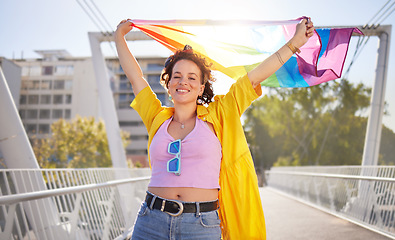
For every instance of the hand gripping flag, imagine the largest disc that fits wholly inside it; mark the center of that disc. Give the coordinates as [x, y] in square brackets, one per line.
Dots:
[236, 47]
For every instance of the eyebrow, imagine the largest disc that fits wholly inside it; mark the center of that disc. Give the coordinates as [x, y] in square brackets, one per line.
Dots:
[188, 73]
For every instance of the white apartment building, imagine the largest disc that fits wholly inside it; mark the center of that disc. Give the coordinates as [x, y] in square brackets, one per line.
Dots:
[61, 86]
[53, 87]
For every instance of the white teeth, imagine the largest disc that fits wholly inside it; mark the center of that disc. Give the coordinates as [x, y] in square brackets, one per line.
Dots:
[182, 90]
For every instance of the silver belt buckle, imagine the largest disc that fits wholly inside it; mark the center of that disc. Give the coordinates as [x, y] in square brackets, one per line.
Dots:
[180, 207]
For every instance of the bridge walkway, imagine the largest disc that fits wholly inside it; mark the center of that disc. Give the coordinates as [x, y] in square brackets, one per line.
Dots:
[287, 219]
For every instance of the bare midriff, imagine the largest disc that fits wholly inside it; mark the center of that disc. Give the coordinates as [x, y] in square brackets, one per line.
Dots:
[186, 194]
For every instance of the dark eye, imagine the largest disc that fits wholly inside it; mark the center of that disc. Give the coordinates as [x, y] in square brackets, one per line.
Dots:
[191, 78]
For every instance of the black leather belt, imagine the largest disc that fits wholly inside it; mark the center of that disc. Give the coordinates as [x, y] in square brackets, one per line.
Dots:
[175, 208]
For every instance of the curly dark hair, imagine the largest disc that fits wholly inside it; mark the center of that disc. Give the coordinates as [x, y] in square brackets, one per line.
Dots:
[206, 77]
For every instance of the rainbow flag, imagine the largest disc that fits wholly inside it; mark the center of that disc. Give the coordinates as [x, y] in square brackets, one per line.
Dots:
[236, 47]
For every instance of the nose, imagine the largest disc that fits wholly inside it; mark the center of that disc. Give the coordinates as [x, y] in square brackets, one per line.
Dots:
[182, 81]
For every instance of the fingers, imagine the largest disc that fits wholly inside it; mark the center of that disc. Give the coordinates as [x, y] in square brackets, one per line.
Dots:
[309, 27]
[126, 20]
[309, 34]
[123, 21]
[124, 27]
[310, 30]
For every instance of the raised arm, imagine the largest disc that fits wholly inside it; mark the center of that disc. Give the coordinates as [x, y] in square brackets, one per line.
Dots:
[128, 62]
[304, 30]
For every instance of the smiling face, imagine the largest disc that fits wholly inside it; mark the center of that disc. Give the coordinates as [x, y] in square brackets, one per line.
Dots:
[186, 82]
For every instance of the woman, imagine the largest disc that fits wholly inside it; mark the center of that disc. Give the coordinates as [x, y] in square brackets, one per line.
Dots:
[203, 181]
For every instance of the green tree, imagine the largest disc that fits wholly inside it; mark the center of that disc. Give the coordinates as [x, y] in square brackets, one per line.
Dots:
[344, 128]
[320, 125]
[289, 117]
[387, 150]
[80, 143]
[263, 143]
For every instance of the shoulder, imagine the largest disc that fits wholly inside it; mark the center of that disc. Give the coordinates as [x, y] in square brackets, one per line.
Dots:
[240, 95]
[244, 83]
[150, 108]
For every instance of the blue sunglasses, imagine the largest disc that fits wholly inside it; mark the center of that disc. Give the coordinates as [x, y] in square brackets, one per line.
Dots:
[174, 164]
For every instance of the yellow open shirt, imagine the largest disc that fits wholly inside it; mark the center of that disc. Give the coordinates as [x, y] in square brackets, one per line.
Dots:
[240, 211]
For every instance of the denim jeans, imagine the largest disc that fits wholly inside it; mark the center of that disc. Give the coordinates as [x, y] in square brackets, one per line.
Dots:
[154, 224]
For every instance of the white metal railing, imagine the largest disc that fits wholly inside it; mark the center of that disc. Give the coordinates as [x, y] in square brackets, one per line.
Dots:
[78, 203]
[363, 195]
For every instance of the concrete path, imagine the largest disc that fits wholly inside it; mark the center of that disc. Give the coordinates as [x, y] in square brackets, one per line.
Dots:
[288, 219]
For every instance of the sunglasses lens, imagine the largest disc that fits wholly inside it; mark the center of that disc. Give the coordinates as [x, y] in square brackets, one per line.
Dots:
[173, 165]
[174, 147]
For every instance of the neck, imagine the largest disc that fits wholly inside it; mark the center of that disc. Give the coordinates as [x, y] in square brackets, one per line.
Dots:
[183, 113]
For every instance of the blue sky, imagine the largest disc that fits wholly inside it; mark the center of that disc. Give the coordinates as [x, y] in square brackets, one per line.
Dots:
[27, 26]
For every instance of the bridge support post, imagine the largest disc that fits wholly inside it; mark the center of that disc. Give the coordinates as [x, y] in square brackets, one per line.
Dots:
[374, 126]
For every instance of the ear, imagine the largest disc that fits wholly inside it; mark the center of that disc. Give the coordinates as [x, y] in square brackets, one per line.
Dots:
[202, 87]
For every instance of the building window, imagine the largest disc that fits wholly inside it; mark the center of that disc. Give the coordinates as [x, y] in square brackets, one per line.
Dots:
[154, 67]
[35, 71]
[58, 99]
[68, 84]
[70, 70]
[48, 70]
[33, 99]
[64, 70]
[57, 113]
[138, 137]
[124, 100]
[31, 128]
[43, 128]
[45, 99]
[68, 99]
[31, 114]
[124, 83]
[130, 124]
[44, 113]
[136, 152]
[161, 97]
[154, 80]
[112, 84]
[123, 78]
[58, 84]
[35, 85]
[25, 85]
[23, 99]
[124, 86]
[67, 113]
[123, 97]
[25, 71]
[46, 84]
[22, 113]
[60, 70]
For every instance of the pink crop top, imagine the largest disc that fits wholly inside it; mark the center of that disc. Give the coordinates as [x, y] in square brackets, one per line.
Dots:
[200, 158]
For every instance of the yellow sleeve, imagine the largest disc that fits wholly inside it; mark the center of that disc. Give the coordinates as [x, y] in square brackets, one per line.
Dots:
[240, 95]
[147, 105]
